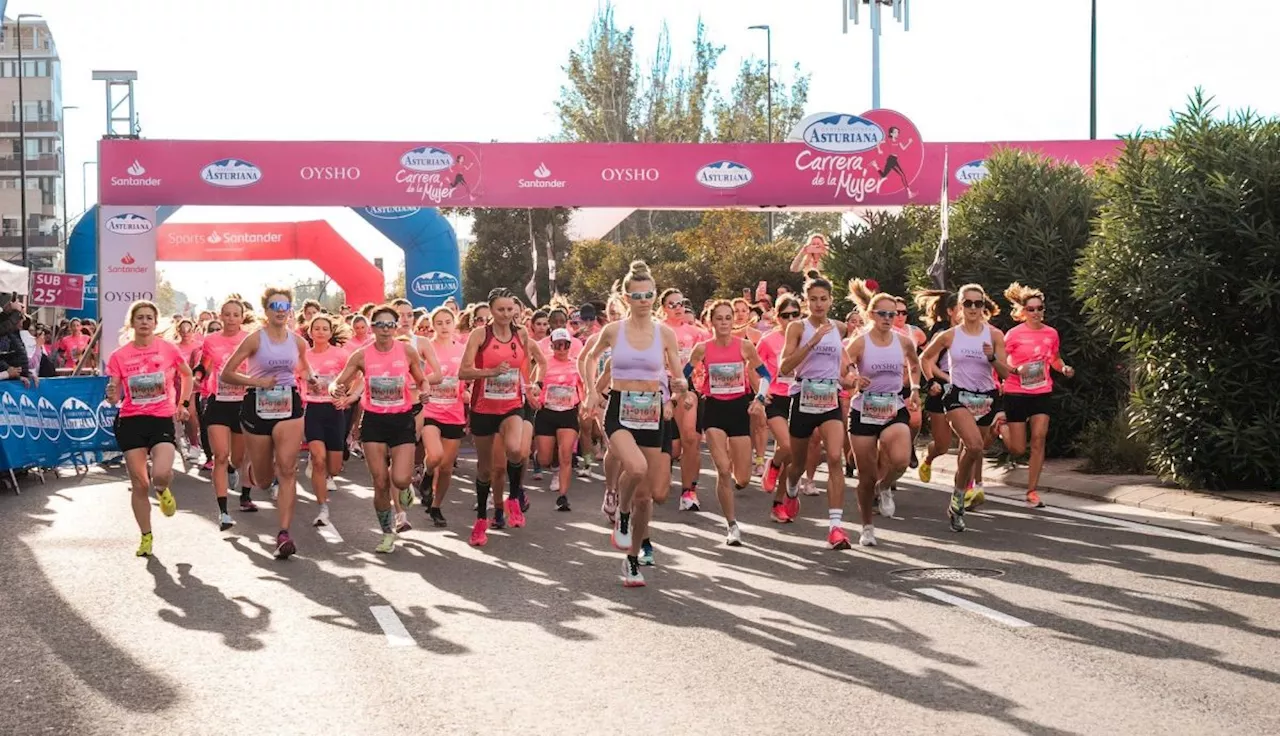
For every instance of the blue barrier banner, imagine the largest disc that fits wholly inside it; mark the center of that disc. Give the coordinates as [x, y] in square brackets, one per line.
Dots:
[47, 427]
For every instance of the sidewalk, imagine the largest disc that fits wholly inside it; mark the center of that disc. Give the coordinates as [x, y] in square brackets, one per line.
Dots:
[1249, 509]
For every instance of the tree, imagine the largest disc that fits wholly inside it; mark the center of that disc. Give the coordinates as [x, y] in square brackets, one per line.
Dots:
[397, 289]
[1029, 221]
[1183, 275]
[877, 250]
[169, 300]
[744, 115]
[502, 252]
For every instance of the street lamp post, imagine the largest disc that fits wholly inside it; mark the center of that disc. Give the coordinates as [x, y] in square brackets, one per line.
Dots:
[66, 222]
[22, 144]
[1093, 72]
[768, 63]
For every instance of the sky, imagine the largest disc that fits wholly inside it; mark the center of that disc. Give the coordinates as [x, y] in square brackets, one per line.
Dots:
[421, 70]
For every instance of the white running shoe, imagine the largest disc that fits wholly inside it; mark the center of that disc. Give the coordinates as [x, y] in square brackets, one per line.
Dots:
[331, 484]
[887, 507]
[193, 453]
[622, 533]
[868, 538]
[275, 492]
[233, 480]
[808, 487]
[733, 537]
[322, 519]
[631, 577]
[555, 482]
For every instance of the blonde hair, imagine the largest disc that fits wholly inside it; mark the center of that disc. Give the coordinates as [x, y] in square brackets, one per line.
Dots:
[638, 271]
[126, 332]
[442, 309]
[271, 291]
[1018, 295]
[991, 308]
[935, 306]
[866, 301]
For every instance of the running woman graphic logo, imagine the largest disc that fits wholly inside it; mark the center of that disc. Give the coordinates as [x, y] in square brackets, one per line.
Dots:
[875, 153]
[972, 172]
[436, 174]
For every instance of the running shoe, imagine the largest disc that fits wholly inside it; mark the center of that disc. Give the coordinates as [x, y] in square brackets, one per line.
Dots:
[689, 500]
[791, 505]
[610, 505]
[926, 471]
[480, 533]
[974, 497]
[207, 467]
[808, 487]
[168, 505]
[758, 467]
[225, 522]
[144, 546]
[621, 536]
[915, 461]
[646, 554]
[631, 577]
[562, 503]
[402, 523]
[322, 518]
[247, 506]
[524, 503]
[406, 497]
[584, 469]
[499, 520]
[514, 513]
[887, 506]
[285, 548]
[275, 490]
[955, 511]
[837, 539]
[779, 513]
[1033, 500]
[428, 498]
[193, 454]
[233, 479]
[387, 545]
[868, 536]
[437, 518]
[770, 482]
[733, 535]
[537, 471]
[331, 484]
[555, 483]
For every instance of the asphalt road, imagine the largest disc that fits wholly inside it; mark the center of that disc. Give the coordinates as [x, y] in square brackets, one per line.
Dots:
[1091, 625]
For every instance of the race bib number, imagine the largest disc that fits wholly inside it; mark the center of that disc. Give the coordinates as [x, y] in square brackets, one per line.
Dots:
[274, 403]
[229, 392]
[386, 391]
[725, 378]
[879, 409]
[321, 392]
[979, 405]
[504, 386]
[640, 411]
[684, 355]
[1034, 374]
[147, 388]
[785, 382]
[444, 393]
[561, 397]
[819, 396]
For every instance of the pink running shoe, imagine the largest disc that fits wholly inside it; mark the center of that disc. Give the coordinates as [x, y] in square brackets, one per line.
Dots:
[770, 482]
[480, 533]
[515, 517]
[837, 539]
[791, 505]
[779, 514]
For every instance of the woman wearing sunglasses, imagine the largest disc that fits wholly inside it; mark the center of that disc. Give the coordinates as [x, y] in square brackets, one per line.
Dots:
[1033, 349]
[939, 311]
[222, 411]
[777, 410]
[974, 348]
[388, 435]
[813, 350]
[324, 417]
[271, 413]
[728, 363]
[677, 316]
[644, 354]
[504, 364]
[879, 421]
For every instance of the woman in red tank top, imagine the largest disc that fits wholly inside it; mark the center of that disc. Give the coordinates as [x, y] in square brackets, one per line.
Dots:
[729, 364]
[504, 363]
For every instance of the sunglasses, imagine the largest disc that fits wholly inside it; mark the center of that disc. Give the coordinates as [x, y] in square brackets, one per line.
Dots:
[973, 304]
[788, 315]
[902, 312]
[884, 314]
[384, 324]
[561, 345]
[639, 295]
[279, 306]
[1033, 309]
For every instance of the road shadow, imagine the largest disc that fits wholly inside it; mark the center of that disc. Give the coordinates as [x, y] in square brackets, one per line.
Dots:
[202, 607]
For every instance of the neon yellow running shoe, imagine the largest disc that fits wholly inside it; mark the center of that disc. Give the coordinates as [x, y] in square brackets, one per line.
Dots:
[926, 471]
[144, 547]
[406, 497]
[168, 505]
[974, 497]
[387, 545]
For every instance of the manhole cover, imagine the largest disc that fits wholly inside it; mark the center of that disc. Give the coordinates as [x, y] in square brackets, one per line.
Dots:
[946, 573]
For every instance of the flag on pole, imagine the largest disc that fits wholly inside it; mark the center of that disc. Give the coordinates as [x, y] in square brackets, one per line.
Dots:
[531, 288]
[938, 269]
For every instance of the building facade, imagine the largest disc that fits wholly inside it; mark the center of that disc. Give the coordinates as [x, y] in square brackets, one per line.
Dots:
[39, 121]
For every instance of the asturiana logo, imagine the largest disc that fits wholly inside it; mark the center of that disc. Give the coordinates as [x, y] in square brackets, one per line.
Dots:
[972, 172]
[843, 134]
[426, 158]
[724, 175]
[391, 213]
[78, 419]
[49, 421]
[231, 172]
[435, 284]
[129, 223]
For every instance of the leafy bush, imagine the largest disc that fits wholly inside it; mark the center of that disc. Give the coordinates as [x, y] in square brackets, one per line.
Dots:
[1028, 221]
[877, 250]
[1111, 446]
[1185, 274]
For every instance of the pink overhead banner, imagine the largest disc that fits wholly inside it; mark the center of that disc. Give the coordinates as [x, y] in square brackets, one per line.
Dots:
[833, 160]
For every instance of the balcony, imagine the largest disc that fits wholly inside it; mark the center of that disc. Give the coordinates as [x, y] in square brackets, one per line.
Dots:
[34, 240]
[40, 162]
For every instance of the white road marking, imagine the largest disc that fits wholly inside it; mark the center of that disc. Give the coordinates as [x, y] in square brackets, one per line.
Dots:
[330, 534]
[397, 634]
[977, 608]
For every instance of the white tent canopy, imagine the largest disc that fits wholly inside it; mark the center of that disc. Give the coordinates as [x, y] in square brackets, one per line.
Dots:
[13, 278]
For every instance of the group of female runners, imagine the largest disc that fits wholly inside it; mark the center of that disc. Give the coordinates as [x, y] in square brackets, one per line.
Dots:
[646, 380]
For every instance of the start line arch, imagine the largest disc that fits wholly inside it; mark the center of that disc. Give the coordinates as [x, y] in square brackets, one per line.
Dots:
[869, 160]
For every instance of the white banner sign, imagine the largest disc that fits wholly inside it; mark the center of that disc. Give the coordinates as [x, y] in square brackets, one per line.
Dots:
[126, 266]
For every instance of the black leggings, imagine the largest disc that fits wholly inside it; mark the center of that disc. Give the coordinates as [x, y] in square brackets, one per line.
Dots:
[200, 403]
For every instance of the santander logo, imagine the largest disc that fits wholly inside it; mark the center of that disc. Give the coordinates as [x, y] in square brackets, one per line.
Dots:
[213, 238]
[128, 260]
[137, 177]
[128, 264]
[136, 169]
[541, 180]
[542, 171]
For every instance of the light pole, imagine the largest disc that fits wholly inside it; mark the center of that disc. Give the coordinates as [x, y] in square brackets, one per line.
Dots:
[768, 64]
[22, 143]
[901, 13]
[1093, 72]
[84, 185]
[66, 222]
